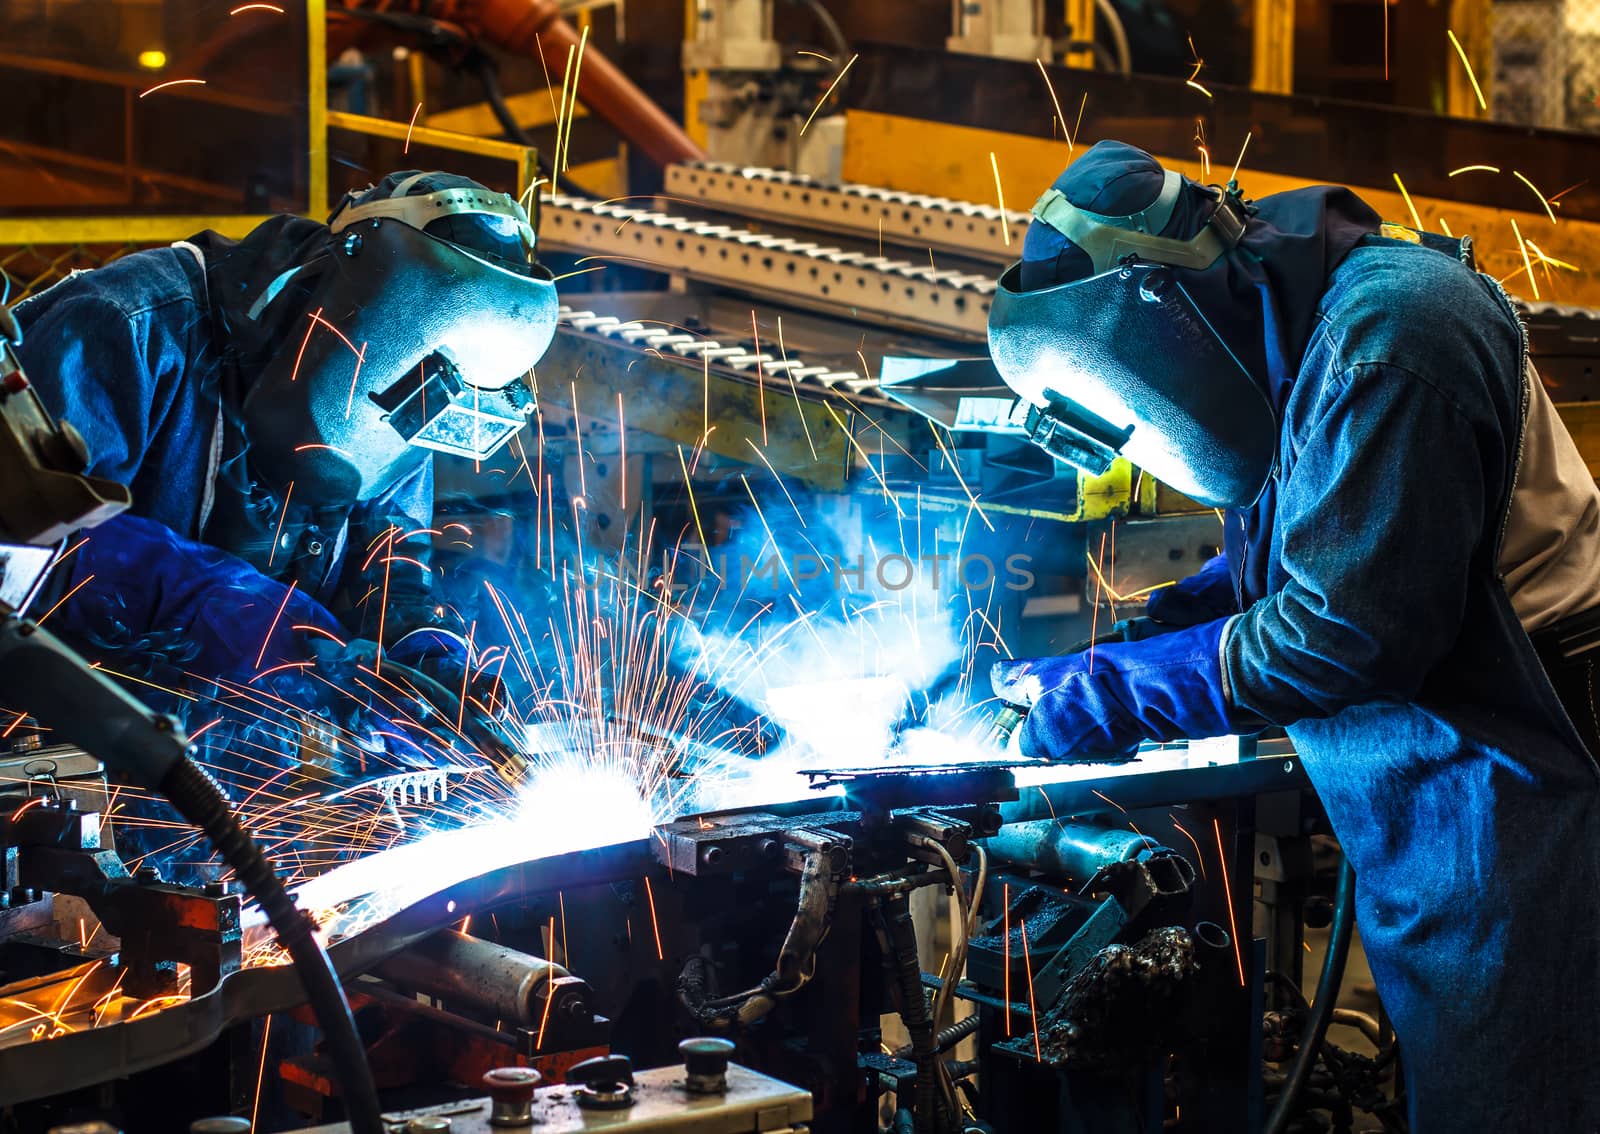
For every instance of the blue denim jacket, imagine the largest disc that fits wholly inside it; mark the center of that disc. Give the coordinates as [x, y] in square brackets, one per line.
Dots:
[1384, 640]
[126, 353]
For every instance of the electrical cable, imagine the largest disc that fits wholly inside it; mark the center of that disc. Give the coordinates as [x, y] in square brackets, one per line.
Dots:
[1321, 1013]
[201, 802]
[1119, 36]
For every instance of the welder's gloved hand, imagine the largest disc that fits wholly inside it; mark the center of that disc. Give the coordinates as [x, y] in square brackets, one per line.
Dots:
[448, 658]
[1203, 596]
[138, 592]
[1099, 704]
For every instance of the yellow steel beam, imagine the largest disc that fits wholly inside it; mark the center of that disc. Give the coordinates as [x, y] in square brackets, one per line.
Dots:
[1272, 61]
[426, 135]
[1080, 25]
[918, 156]
[119, 230]
[317, 109]
[530, 109]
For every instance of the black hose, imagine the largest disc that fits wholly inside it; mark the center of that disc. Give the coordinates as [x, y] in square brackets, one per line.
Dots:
[1321, 1013]
[200, 801]
[948, 1037]
[914, 1011]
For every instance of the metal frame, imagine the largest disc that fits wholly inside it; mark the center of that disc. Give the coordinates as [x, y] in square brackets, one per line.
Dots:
[952, 305]
[136, 229]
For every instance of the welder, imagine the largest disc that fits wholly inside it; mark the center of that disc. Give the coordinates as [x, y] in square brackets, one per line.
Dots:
[1410, 583]
[275, 403]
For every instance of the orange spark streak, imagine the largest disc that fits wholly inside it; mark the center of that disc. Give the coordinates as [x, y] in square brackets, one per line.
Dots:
[650, 894]
[1551, 213]
[261, 656]
[1000, 195]
[1461, 51]
[1094, 612]
[1033, 1011]
[350, 401]
[1416, 220]
[12, 727]
[41, 619]
[1109, 800]
[1005, 905]
[383, 604]
[1526, 262]
[256, 8]
[172, 83]
[315, 319]
[15, 815]
[261, 1072]
[827, 94]
[406, 149]
[1235, 174]
[1227, 889]
[1473, 169]
[1197, 86]
[273, 554]
[544, 1017]
[1199, 857]
[1060, 117]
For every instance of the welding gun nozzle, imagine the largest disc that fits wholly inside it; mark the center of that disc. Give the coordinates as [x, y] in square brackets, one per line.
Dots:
[1005, 723]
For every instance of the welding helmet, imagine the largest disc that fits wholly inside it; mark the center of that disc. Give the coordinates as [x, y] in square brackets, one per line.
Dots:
[422, 317]
[1116, 353]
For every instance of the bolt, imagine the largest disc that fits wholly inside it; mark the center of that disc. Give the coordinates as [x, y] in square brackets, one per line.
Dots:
[352, 244]
[712, 855]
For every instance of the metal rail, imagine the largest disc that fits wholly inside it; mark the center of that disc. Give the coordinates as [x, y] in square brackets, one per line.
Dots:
[949, 304]
[940, 223]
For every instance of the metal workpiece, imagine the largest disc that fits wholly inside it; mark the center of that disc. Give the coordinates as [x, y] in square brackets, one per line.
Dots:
[752, 1103]
[952, 305]
[1066, 850]
[915, 219]
[94, 1055]
[693, 402]
[502, 983]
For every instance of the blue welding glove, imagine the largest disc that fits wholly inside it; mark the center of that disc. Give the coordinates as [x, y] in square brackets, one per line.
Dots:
[1103, 702]
[448, 658]
[138, 594]
[1203, 596]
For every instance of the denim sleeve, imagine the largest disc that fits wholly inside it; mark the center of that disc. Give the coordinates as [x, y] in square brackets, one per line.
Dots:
[102, 369]
[1378, 521]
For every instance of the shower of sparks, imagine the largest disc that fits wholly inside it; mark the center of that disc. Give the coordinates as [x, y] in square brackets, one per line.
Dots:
[827, 94]
[1542, 199]
[1060, 117]
[1462, 52]
[172, 83]
[412, 125]
[1227, 890]
[1033, 1009]
[1000, 195]
[1416, 219]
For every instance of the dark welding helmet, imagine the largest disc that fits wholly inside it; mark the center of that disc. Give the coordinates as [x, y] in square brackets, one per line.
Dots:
[1123, 361]
[422, 320]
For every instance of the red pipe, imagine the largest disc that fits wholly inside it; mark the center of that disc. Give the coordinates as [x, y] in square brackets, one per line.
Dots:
[524, 27]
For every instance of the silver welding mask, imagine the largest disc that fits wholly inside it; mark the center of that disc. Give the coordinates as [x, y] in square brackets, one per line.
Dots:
[1124, 363]
[411, 343]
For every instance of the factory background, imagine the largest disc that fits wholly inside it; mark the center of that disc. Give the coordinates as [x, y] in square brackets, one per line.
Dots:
[761, 531]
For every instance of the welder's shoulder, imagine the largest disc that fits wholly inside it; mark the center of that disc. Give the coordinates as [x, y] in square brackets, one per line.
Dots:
[157, 282]
[1408, 307]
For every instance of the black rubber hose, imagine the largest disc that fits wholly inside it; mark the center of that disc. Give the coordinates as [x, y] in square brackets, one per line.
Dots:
[1321, 1013]
[914, 1011]
[200, 801]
